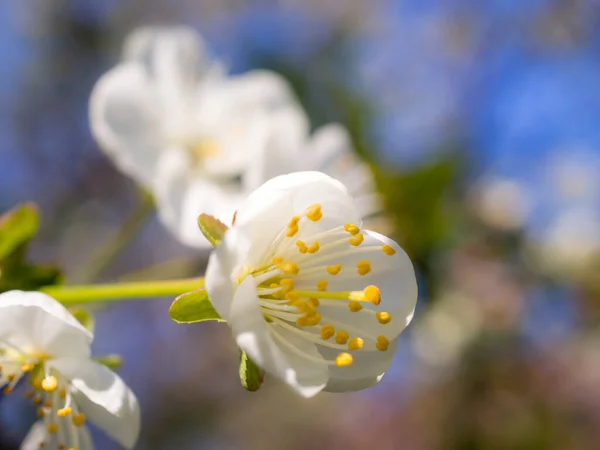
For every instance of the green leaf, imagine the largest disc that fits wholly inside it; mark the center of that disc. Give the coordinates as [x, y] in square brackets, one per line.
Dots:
[113, 362]
[212, 229]
[17, 227]
[193, 307]
[251, 375]
[84, 317]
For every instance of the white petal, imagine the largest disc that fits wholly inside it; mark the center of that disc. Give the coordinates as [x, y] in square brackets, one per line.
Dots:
[182, 194]
[269, 209]
[283, 149]
[175, 57]
[39, 433]
[332, 152]
[32, 321]
[126, 119]
[225, 265]
[250, 330]
[366, 370]
[103, 397]
[393, 275]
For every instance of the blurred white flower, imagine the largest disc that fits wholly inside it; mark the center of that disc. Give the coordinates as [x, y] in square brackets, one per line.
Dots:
[310, 296]
[501, 203]
[200, 140]
[39, 337]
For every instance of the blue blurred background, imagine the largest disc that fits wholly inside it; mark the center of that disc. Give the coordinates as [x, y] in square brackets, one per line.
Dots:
[482, 122]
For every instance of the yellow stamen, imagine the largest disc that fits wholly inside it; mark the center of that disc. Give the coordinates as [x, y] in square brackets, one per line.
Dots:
[78, 419]
[314, 212]
[314, 248]
[334, 270]
[10, 377]
[327, 331]
[383, 317]
[309, 320]
[382, 343]
[64, 412]
[294, 221]
[372, 294]
[352, 229]
[355, 343]
[291, 231]
[355, 306]
[341, 337]
[52, 428]
[388, 250]
[277, 260]
[302, 248]
[363, 267]
[290, 268]
[27, 367]
[356, 240]
[315, 301]
[49, 384]
[322, 285]
[343, 360]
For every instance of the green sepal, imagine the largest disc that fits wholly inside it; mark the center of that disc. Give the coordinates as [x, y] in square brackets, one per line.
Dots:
[193, 307]
[212, 228]
[17, 227]
[84, 317]
[251, 375]
[113, 362]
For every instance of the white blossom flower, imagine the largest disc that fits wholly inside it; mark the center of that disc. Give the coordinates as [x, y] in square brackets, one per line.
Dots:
[200, 141]
[171, 119]
[311, 296]
[40, 338]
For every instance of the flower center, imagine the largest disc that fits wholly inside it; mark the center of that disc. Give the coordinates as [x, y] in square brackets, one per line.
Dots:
[293, 287]
[50, 392]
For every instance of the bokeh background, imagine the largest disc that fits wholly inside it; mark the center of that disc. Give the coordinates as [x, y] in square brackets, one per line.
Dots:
[482, 120]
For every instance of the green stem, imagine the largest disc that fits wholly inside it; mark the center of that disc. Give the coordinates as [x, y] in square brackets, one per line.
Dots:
[78, 295]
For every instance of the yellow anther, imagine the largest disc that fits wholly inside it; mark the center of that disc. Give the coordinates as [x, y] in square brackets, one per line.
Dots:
[343, 360]
[352, 229]
[313, 319]
[388, 250]
[302, 321]
[310, 308]
[302, 248]
[50, 383]
[64, 412]
[341, 337]
[277, 260]
[36, 383]
[356, 240]
[48, 404]
[291, 231]
[7, 390]
[383, 317]
[355, 343]
[292, 297]
[27, 367]
[78, 419]
[372, 294]
[382, 343]
[327, 331]
[314, 248]
[363, 267]
[334, 270]
[314, 212]
[41, 412]
[37, 400]
[290, 268]
[10, 377]
[322, 285]
[52, 428]
[315, 301]
[62, 394]
[287, 284]
[294, 221]
[354, 306]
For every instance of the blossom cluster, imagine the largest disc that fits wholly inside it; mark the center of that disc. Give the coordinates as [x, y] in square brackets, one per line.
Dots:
[313, 298]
